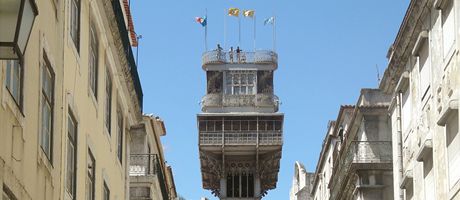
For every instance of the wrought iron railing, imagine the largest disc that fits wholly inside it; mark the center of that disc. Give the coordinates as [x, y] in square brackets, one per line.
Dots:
[144, 165]
[359, 152]
[255, 100]
[148, 165]
[124, 35]
[241, 138]
[222, 57]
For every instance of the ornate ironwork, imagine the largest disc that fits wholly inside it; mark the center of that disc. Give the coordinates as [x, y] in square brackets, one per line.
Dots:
[257, 57]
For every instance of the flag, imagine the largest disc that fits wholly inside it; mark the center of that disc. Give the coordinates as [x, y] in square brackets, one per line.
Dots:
[201, 20]
[249, 13]
[270, 20]
[234, 12]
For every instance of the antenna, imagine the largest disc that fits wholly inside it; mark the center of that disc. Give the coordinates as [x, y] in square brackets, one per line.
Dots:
[378, 74]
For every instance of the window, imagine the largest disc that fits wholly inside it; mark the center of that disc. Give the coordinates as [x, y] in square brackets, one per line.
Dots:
[240, 82]
[90, 179]
[240, 185]
[448, 30]
[406, 110]
[106, 192]
[108, 101]
[424, 69]
[14, 80]
[71, 156]
[428, 177]
[453, 149]
[47, 108]
[120, 135]
[75, 22]
[7, 194]
[93, 60]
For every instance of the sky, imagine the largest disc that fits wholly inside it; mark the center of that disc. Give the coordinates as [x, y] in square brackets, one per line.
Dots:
[328, 51]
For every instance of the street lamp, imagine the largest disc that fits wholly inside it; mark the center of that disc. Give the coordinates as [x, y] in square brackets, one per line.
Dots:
[16, 20]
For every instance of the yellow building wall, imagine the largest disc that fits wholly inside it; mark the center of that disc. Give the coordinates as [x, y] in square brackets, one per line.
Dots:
[24, 168]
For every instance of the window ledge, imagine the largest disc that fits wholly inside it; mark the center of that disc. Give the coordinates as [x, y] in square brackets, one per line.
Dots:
[452, 107]
[439, 4]
[9, 102]
[420, 39]
[403, 82]
[425, 149]
[407, 179]
[45, 162]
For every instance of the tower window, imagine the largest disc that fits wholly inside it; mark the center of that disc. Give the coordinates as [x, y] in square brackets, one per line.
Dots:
[240, 185]
[240, 82]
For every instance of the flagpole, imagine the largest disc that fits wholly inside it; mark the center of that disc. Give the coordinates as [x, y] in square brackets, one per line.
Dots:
[225, 28]
[274, 33]
[254, 32]
[206, 31]
[239, 30]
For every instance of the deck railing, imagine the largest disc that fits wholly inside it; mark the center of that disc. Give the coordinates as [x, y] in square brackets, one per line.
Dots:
[146, 165]
[223, 57]
[226, 100]
[363, 155]
[241, 138]
[143, 165]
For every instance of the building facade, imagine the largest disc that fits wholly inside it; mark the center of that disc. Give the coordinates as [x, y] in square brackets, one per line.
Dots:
[422, 77]
[356, 156]
[240, 128]
[68, 104]
[418, 115]
[301, 183]
[150, 176]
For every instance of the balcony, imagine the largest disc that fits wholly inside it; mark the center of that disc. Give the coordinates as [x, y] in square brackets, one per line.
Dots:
[216, 57]
[146, 168]
[143, 165]
[224, 100]
[361, 155]
[241, 138]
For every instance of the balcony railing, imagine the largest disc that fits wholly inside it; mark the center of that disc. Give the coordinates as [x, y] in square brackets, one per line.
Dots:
[241, 138]
[222, 57]
[146, 165]
[143, 165]
[360, 155]
[225, 100]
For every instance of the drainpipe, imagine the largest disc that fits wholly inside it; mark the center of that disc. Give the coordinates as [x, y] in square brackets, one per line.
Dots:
[399, 160]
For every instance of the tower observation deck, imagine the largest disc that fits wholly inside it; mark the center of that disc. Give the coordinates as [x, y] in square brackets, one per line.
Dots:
[240, 128]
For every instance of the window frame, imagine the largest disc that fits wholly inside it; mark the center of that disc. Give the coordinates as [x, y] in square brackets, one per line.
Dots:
[105, 191]
[120, 134]
[9, 81]
[448, 4]
[72, 118]
[454, 115]
[93, 59]
[91, 175]
[76, 39]
[229, 82]
[108, 101]
[424, 92]
[46, 68]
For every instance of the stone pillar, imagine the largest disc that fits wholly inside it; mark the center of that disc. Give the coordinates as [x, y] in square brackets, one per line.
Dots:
[257, 187]
[223, 188]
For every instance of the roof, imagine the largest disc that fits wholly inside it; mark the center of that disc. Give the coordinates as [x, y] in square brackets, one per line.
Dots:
[132, 33]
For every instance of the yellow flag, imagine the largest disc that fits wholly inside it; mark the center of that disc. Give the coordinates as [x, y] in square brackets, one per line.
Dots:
[249, 13]
[233, 12]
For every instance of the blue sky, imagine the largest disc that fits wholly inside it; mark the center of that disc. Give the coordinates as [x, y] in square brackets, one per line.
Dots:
[327, 51]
